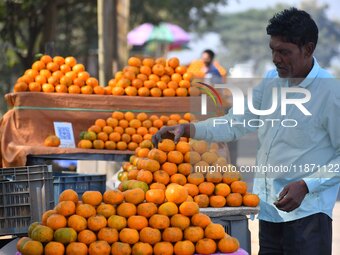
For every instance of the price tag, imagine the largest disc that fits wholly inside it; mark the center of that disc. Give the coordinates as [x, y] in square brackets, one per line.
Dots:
[64, 131]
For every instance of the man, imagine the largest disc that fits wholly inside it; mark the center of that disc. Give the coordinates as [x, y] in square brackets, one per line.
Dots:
[210, 71]
[296, 205]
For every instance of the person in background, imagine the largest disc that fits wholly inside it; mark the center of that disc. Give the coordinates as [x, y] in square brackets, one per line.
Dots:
[296, 205]
[211, 72]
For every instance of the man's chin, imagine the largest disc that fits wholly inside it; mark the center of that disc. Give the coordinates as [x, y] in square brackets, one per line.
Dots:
[282, 73]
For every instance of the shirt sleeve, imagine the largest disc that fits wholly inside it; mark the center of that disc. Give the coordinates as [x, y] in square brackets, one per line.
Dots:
[328, 175]
[230, 127]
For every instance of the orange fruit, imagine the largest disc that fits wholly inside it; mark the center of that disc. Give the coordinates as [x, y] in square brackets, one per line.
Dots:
[188, 208]
[134, 61]
[148, 62]
[178, 178]
[106, 210]
[83, 75]
[119, 248]
[78, 68]
[117, 222]
[137, 222]
[71, 61]
[180, 221]
[200, 220]
[126, 209]
[87, 237]
[163, 248]
[99, 247]
[159, 221]
[110, 235]
[170, 168]
[222, 189]
[155, 196]
[181, 92]
[202, 200]
[206, 188]
[172, 234]
[56, 221]
[168, 209]
[76, 248]
[193, 234]
[239, 187]
[192, 189]
[46, 59]
[68, 195]
[167, 145]
[184, 248]
[217, 201]
[172, 85]
[99, 90]
[176, 193]
[251, 200]
[54, 248]
[38, 65]
[156, 92]
[66, 208]
[214, 231]
[169, 92]
[142, 248]
[74, 89]
[78, 223]
[173, 62]
[128, 235]
[228, 244]
[206, 246]
[134, 196]
[52, 141]
[92, 197]
[146, 209]
[85, 210]
[93, 82]
[162, 85]
[95, 223]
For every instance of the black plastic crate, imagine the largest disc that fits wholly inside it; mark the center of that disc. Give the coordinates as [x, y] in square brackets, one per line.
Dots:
[78, 182]
[25, 193]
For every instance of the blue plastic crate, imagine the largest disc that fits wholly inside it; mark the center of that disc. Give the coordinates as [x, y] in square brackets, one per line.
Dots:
[78, 182]
[25, 193]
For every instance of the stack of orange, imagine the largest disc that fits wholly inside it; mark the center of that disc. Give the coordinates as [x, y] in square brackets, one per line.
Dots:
[132, 222]
[208, 178]
[60, 75]
[153, 77]
[127, 131]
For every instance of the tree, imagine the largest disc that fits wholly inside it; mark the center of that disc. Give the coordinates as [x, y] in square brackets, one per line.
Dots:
[188, 13]
[245, 37]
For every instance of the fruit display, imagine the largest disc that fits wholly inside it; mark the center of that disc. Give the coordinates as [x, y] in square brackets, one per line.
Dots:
[150, 77]
[135, 221]
[194, 165]
[127, 131]
[60, 75]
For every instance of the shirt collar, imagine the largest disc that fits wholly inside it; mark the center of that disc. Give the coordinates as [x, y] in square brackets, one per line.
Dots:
[312, 74]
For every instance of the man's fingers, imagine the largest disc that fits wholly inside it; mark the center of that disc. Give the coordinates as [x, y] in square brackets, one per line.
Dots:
[283, 193]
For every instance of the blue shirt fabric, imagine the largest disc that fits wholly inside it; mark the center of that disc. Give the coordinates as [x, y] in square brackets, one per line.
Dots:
[213, 75]
[315, 140]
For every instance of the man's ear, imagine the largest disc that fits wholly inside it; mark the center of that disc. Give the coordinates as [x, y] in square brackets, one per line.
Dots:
[309, 49]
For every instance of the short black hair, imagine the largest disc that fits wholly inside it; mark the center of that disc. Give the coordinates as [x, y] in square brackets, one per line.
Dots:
[210, 53]
[295, 26]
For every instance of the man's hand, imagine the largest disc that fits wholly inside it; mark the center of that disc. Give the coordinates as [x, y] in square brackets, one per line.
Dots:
[172, 132]
[291, 196]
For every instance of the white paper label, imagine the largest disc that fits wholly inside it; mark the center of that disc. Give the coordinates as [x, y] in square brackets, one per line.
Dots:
[64, 131]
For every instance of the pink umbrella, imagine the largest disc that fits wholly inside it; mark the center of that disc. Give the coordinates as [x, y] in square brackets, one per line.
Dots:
[164, 32]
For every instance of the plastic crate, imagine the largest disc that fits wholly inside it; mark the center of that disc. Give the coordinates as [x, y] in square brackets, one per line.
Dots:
[25, 193]
[78, 182]
[236, 226]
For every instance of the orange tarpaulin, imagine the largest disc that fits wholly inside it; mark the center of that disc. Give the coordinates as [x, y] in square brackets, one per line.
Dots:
[24, 127]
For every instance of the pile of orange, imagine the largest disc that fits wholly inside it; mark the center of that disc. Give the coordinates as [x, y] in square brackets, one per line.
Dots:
[195, 165]
[132, 222]
[60, 75]
[127, 130]
[153, 77]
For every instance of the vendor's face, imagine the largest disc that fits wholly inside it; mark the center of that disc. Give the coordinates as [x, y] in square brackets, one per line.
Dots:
[290, 60]
[206, 59]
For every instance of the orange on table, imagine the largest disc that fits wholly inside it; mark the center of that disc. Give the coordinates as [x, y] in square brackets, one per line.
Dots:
[65, 80]
[31, 72]
[65, 68]
[53, 80]
[173, 62]
[134, 61]
[79, 82]
[187, 76]
[53, 67]
[46, 59]
[40, 79]
[137, 83]
[73, 89]
[57, 74]
[145, 70]
[143, 91]
[34, 87]
[71, 61]
[142, 77]
[148, 62]
[118, 91]
[169, 92]
[26, 79]
[71, 74]
[92, 82]
[20, 87]
[108, 90]
[169, 70]
[48, 88]
[149, 84]
[61, 88]
[99, 90]
[59, 60]
[123, 83]
[83, 75]
[161, 85]
[38, 65]
[181, 70]
[78, 68]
